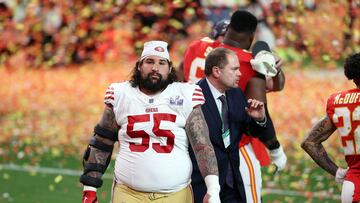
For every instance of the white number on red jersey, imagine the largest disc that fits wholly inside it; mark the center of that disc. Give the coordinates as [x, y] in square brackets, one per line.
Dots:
[349, 132]
[196, 69]
[198, 66]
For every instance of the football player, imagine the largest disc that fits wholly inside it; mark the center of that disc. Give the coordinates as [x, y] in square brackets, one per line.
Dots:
[193, 64]
[343, 114]
[238, 36]
[154, 118]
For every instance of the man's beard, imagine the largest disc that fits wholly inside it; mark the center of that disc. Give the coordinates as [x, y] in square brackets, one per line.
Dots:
[148, 84]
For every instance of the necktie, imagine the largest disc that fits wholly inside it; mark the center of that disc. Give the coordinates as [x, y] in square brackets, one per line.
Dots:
[226, 137]
[225, 120]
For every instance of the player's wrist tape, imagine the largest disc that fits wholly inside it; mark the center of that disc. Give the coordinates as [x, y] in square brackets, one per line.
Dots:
[89, 188]
[212, 184]
[276, 152]
[340, 175]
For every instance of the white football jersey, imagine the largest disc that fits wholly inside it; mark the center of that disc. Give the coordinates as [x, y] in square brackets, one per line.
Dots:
[153, 146]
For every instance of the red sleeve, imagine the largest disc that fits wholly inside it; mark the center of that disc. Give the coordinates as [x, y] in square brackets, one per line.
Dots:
[246, 74]
[330, 107]
[188, 58]
[194, 59]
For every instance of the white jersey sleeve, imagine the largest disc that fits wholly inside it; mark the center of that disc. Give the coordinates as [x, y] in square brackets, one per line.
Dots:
[114, 93]
[197, 97]
[109, 98]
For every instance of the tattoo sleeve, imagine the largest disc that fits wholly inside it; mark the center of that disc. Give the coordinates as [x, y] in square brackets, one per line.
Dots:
[312, 144]
[198, 134]
[99, 156]
[108, 119]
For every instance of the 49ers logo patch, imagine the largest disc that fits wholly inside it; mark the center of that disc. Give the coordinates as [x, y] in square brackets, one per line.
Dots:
[159, 49]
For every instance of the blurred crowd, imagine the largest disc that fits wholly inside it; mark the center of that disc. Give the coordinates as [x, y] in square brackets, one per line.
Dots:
[54, 33]
[58, 33]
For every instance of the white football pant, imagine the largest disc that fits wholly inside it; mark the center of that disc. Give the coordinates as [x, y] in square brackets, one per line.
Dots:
[347, 192]
[250, 170]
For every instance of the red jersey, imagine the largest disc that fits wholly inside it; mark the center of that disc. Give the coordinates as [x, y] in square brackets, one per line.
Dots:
[343, 109]
[193, 70]
[194, 59]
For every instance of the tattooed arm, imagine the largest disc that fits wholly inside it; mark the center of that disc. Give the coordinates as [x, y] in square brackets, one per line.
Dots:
[320, 132]
[198, 134]
[98, 153]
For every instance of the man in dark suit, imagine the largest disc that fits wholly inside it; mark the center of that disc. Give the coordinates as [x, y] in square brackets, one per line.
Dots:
[228, 115]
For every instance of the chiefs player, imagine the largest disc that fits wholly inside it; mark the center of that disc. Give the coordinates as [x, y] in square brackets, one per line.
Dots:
[343, 114]
[238, 36]
[194, 60]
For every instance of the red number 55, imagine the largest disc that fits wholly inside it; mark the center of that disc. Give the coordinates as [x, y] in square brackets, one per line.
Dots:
[158, 117]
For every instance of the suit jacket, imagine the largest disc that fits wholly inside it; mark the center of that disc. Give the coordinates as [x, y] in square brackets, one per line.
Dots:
[239, 122]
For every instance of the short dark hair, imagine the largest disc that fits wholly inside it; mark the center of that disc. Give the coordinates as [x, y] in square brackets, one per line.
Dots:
[243, 21]
[136, 75]
[352, 67]
[217, 57]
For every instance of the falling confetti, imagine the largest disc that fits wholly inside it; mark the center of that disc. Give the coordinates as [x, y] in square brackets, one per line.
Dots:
[58, 178]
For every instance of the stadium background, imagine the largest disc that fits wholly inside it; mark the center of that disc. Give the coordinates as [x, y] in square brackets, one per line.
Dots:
[57, 60]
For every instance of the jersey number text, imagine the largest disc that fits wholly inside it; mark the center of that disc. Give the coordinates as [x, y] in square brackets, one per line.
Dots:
[158, 117]
[350, 134]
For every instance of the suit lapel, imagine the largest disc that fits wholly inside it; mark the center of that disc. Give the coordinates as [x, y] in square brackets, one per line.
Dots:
[209, 107]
